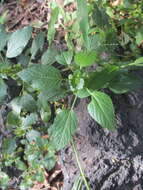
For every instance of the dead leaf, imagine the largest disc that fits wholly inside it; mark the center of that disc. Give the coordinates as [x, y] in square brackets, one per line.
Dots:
[117, 2]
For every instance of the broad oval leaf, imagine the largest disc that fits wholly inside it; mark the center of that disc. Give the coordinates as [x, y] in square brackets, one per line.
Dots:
[17, 41]
[85, 59]
[41, 77]
[63, 128]
[101, 110]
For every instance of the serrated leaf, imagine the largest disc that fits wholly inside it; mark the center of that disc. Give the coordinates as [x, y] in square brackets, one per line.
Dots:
[82, 15]
[41, 77]
[85, 59]
[37, 44]
[63, 128]
[18, 41]
[101, 110]
[51, 27]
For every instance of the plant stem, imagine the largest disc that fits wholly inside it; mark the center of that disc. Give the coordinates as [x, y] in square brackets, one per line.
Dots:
[73, 102]
[79, 165]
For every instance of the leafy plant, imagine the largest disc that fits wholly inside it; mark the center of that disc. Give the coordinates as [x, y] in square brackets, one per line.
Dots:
[102, 50]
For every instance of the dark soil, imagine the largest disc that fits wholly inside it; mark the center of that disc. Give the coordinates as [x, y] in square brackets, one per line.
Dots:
[111, 160]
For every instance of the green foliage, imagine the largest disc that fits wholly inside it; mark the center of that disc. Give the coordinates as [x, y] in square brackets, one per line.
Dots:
[101, 109]
[51, 28]
[49, 57]
[63, 128]
[18, 41]
[82, 16]
[41, 77]
[103, 46]
[3, 37]
[37, 44]
[4, 179]
[3, 90]
[85, 59]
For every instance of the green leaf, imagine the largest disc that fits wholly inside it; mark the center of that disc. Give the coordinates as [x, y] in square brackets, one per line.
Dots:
[82, 15]
[4, 180]
[137, 62]
[100, 79]
[39, 176]
[101, 110]
[85, 59]
[13, 119]
[83, 93]
[49, 161]
[3, 37]
[49, 57]
[37, 44]
[41, 77]
[25, 102]
[51, 27]
[125, 82]
[100, 17]
[63, 128]
[139, 36]
[9, 145]
[50, 96]
[65, 58]
[23, 60]
[21, 165]
[32, 135]
[17, 41]
[3, 90]
[29, 120]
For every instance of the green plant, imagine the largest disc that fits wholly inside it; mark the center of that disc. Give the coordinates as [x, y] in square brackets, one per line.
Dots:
[102, 50]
